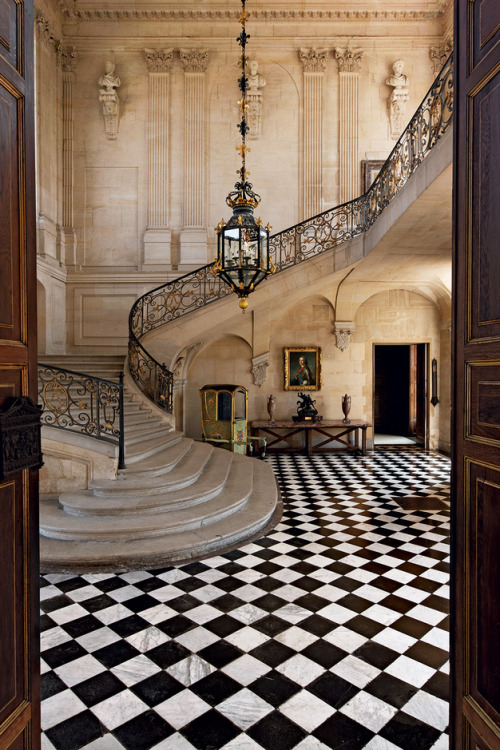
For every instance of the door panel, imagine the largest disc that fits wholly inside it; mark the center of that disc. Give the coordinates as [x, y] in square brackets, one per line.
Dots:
[475, 720]
[19, 657]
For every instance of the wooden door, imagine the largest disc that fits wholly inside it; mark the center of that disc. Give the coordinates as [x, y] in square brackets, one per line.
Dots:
[19, 661]
[421, 400]
[475, 647]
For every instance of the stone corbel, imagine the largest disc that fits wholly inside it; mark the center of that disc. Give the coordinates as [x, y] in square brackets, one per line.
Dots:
[259, 368]
[343, 331]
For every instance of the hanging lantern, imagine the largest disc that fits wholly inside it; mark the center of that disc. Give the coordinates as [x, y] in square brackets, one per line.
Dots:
[243, 259]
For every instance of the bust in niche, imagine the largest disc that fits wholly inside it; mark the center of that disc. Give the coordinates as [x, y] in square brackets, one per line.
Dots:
[398, 79]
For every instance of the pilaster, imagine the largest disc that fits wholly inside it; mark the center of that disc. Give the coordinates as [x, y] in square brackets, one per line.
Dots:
[193, 238]
[157, 237]
[66, 59]
[349, 62]
[314, 66]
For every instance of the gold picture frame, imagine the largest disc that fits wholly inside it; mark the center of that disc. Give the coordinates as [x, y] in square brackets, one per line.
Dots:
[302, 375]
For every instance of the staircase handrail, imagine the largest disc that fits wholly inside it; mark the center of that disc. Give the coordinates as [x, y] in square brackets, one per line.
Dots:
[294, 245]
[84, 404]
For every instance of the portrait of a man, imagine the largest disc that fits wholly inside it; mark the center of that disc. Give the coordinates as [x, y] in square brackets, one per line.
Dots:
[302, 368]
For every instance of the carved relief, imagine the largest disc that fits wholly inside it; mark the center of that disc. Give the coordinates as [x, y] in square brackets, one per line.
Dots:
[45, 32]
[20, 437]
[108, 95]
[194, 60]
[256, 82]
[398, 98]
[259, 368]
[343, 332]
[349, 60]
[159, 60]
[66, 58]
[439, 55]
[313, 60]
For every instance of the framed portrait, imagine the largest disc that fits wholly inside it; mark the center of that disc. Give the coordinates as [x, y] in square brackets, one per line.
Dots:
[302, 368]
[369, 171]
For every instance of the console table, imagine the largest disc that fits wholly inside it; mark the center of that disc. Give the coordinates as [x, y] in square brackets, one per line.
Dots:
[288, 431]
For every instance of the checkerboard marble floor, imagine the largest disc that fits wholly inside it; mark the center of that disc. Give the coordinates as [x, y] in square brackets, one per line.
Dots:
[329, 632]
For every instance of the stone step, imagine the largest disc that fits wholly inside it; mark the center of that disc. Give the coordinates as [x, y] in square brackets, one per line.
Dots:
[60, 525]
[139, 450]
[161, 462]
[212, 481]
[259, 514]
[186, 472]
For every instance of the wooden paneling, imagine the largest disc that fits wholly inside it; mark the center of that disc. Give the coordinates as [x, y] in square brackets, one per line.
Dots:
[483, 399]
[19, 611]
[484, 28]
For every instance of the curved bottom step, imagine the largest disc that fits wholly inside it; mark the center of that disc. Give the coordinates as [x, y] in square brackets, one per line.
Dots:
[260, 515]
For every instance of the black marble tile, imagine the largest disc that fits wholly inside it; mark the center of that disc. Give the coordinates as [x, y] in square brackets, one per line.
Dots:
[98, 688]
[405, 731]
[157, 688]
[376, 654]
[274, 688]
[116, 653]
[168, 653]
[221, 653]
[272, 653]
[50, 684]
[276, 732]
[342, 733]
[332, 689]
[428, 654]
[324, 653]
[211, 730]
[143, 731]
[64, 653]
[81, 626]
[215, 688]
[76, 732]
[391, 690]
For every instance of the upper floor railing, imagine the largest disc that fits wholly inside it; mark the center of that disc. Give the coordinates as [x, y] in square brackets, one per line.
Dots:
[295, 244]
[83, 404]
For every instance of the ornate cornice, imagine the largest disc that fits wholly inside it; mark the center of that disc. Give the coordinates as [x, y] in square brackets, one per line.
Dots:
[45, 32]
[313, 60]
[132, 14]
[159, 60]
[194, 60]
[349, 60]
[66, 58]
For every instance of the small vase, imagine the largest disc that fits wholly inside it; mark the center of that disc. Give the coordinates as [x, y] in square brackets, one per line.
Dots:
[346, 408]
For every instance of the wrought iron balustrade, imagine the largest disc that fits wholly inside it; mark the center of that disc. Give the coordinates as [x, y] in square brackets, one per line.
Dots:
[297, 243]
[83, 404]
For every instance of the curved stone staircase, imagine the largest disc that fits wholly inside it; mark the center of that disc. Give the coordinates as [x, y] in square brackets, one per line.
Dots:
[178, 499]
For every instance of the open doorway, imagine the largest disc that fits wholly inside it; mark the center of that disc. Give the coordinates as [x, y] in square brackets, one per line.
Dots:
[399, 399]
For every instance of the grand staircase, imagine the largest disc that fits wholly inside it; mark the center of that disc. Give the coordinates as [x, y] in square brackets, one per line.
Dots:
[176, 500]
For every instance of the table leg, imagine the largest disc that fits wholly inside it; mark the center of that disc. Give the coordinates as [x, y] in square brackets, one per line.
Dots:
[363, 433]
[308, 442]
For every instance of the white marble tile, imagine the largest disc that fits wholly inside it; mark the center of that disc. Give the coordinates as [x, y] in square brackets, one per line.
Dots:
[84, 593]
[134, 576]
[246, 669]
[166, 593]
[286, 575]
[436, 575]
[244, 708]
[60, 707]
[248, 613]
[190, 670]
[292, 613]
[411, 671]
[391, 638]
[425, 562]
[300, 669]
[355, 670]
[158, 613]
[369, 711]
[53, 637]
[249, 592]
[429, 709]
[378, 743]
[196, 639]
[119, 709]
[93, 577]
[68, 614]
[325, 576]
[46, 744]
[445, 668]
[437, 637]
[182, 708]
[247, 638]
[171, 576]
[248, 576]
[241, 742]
[361, 575]
[442, 743]
[44, 667]
[113, 614]
[306, 710]
[381, 614]
[108, 742]
[371, 593]
[346, 639]
[97, 639]
[336, 613]
[135, 670]
[202, 614]
[174, 742]
[147, 639]
[296, 638]
[126, 592]
[286, 561]
[212, 575]
[426, 614]
[208, 593]
[399, 575]
[79, 670]
[48, 592]
[311, 743]
[329, 592]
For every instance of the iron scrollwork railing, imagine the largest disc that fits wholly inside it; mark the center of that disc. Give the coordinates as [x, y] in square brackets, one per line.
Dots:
[84, 404]
[297, 243]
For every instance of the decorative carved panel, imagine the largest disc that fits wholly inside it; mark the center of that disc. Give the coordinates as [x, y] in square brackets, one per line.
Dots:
[484, 216]
[483, 392]
[10, 13]
[482, 578]
[485, 28]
